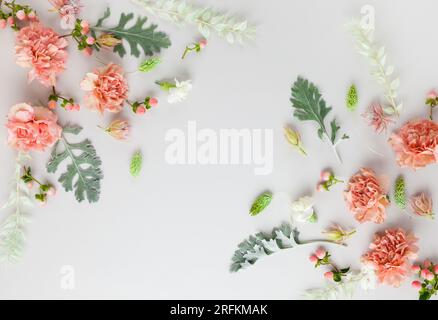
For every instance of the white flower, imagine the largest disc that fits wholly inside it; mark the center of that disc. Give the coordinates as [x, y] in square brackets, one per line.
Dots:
[179, 92]
[302, 210]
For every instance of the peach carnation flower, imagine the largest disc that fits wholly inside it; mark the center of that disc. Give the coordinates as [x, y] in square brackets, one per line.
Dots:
[366, 198]
[416, 144]
[32, 128]
[389, 256]
[43, 50]
[107, 87]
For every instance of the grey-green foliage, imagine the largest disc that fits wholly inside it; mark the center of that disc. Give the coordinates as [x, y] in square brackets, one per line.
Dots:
[310, 106]
[83, 173]
[261, 245]
[137, 35]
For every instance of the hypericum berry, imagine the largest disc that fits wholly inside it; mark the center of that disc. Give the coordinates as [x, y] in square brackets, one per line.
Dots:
[69, 107]
[325, 175]
[91, 41]
[85, 27]
[430, 276]
[141, 110]
[435, 269]
[11, 21]
[320, 187]
[52, 104]
[76, 107]
[416, 268]
[87, 51]
[328, 275]
[432, 95]
[21, 15]
[153, 102]
[2, 24]
[203, 43]
[313, 259]
[51, 192]
[320, 253]
[30, 185]
[427, 263]
[416, 285]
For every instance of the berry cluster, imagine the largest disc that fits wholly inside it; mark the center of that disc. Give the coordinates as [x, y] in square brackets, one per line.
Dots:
[67, 104]
[427, 286]
[45, 190]
[328, 180]
[141, 107]
[16, 13]
[322, 258]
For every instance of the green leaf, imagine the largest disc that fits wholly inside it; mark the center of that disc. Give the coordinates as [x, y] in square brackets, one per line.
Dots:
[310, 106]
[425, 294]
[352, 98]
[149, 40]
[261, 203]
[83, 173]
[400, 193]
[136, 164]
[337, 277]
[261, 245]
[149, 65]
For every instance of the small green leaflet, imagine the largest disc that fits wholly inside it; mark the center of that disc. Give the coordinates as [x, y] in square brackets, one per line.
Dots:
[148, 39]
[83, 174]
[352, 98]
[262, 245]
[149, 64]
[136, 164]
[400, 193]
[261, 203]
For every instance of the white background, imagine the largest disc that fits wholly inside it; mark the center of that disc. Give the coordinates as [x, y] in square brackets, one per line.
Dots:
[171, 233]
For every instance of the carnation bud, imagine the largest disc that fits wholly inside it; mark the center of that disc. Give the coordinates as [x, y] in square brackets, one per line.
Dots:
[108, 40]
[329, 275]
[313, 259]
[320, 253]
[416, 285]
[21, 15]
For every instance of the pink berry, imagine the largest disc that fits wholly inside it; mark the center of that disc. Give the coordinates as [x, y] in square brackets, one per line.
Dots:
[313, 259]
[52, 104]
[2, 24]
[30, 185]
[42, 203]
[91, 41]
[435, 269]
[21, 15]
[76, 107]
[320, 253]
[427, 263]
[416, 268]
[423, 273]
[416, 284]
[325, 175]
[430, 276]
[87, 52]
[69, 107]
[85, 27]
[11, 21]
[153, 102]
[203, 43]
[51, 192]
[432, 95]
[328, 275]
[320, 187]
[141, 110]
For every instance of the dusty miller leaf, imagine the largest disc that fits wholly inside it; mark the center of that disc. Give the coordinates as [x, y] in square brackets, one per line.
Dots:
[261, 203]
[136, 164]
[83, 173]
[149, 40]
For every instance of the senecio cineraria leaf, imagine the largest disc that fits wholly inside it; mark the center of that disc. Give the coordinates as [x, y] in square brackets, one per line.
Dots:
[148, 39]
[309, 106]
[261, 245]
[377, 58]
[83, 174]
[400, 196]
[352, 98]
[261, 203]
[136, 164]
[180, 12]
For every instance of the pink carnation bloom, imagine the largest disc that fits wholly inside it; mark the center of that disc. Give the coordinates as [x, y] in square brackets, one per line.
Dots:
[416, 144]
[43, 50]
[32, 128]
[107, 89]
[366, 198]
[389, 256]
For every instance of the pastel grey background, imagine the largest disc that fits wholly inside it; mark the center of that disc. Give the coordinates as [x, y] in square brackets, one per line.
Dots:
[171, 233]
